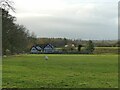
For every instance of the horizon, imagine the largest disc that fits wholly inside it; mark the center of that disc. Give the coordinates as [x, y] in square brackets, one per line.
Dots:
[86, 20]
[78, 39]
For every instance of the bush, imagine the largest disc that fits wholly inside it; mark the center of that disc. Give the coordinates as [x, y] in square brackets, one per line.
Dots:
[8, 52]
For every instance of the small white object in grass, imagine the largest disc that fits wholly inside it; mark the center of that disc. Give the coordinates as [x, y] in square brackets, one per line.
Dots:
[46, 57]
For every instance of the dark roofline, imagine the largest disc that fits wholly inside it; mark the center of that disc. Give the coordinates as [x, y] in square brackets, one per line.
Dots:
[50, 45]
[34, 47]
[42, 46]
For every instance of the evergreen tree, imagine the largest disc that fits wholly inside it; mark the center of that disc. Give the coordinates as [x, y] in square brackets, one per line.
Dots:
[90, 46]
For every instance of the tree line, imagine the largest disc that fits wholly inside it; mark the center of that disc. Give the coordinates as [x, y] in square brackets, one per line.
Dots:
[61, 42]
[15, 37]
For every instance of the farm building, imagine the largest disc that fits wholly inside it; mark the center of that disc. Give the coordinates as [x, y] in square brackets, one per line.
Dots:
[42, 48]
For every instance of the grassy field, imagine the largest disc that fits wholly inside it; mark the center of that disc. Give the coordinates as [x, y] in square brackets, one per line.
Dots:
[60, 71]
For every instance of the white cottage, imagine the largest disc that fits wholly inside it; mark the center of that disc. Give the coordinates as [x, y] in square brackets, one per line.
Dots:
[43, 48]
[35, 49]
[48, 48]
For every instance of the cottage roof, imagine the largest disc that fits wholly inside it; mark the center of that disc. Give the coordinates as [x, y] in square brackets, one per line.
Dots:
[42, 46]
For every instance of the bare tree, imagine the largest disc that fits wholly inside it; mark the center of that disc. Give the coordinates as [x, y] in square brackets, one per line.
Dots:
[7, 5]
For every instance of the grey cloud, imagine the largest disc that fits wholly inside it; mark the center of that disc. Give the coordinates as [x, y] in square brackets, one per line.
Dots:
[99, 24]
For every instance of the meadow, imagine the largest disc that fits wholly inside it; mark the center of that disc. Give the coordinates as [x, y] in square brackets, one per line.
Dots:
[60, 71]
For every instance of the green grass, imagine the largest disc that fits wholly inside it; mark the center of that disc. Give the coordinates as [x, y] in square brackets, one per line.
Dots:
[66, 71]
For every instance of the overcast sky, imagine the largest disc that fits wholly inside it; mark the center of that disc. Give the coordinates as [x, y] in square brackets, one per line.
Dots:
[74, 19]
